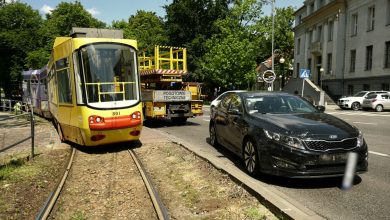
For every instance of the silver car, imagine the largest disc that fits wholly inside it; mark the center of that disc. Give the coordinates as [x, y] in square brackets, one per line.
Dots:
[379, 102]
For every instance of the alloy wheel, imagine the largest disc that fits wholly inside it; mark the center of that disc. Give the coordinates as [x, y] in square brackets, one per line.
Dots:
[379, 108]
[250, 157]
[355, 106]
[213, 135]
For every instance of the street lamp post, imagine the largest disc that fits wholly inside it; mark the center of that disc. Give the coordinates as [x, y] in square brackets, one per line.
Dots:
[321, 71]
[272, 39]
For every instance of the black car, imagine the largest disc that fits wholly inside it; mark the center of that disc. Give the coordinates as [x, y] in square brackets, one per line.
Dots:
[283, 134]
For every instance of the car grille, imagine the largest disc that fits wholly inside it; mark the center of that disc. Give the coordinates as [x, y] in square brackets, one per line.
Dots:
[322, 145]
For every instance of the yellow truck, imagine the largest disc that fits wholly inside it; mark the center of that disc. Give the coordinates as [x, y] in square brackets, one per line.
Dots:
[164, 94]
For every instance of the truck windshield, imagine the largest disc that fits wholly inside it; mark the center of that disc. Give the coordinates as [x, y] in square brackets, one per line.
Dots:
[110, 75]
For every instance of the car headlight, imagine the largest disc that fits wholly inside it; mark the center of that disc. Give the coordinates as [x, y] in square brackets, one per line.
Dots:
[285, 140]
[360, 139]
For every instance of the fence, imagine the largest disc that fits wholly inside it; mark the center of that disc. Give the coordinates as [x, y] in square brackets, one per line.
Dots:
[9, 106]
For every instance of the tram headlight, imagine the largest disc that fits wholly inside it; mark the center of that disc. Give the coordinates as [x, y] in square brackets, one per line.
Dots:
[98, 119]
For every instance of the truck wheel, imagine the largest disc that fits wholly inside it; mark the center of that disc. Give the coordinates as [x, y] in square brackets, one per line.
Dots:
[355, 106]
[179, 120]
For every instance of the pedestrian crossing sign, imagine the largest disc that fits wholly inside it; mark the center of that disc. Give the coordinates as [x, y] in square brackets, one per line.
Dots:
[304, 73]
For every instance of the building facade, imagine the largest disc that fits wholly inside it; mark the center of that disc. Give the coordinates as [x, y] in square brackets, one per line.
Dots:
[345, 44]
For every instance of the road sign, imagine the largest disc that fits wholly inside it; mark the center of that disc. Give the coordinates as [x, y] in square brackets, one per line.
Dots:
[304, 73]
[269, 76]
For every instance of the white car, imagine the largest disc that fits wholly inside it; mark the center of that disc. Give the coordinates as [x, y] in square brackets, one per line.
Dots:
[378, 102]
[355, 102]
[216, 101]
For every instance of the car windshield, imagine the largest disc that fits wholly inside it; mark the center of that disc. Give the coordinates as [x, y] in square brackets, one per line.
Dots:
[359, 94]
[278, 104]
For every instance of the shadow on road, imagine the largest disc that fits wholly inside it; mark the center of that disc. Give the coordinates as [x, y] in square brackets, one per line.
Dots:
[108, 148]
[304, 183]
[159, 123]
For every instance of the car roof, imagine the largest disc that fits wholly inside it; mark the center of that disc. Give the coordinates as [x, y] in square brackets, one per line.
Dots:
[263, 93]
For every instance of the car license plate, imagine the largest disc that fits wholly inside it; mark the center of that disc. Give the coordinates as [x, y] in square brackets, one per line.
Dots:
[334, 158]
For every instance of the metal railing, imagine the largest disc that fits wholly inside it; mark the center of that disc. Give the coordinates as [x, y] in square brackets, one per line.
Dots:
[6, 105]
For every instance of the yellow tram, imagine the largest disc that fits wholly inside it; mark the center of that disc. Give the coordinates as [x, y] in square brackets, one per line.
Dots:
[94, 88]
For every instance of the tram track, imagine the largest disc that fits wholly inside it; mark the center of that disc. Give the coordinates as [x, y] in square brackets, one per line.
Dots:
[55, 195]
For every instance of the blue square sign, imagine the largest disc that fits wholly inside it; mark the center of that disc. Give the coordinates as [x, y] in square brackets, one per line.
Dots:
[304, 73]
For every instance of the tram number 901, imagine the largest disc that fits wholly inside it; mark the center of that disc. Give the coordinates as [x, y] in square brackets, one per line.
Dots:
[116, 113]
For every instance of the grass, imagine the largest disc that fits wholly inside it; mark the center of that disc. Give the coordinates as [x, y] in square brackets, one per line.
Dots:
[254, 213]
[21, 168]
[8, 170]
[78, 215]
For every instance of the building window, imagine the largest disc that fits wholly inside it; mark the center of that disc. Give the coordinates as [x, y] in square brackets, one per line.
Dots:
[385, 87]
[329, 64]
[298, 46]
[366, 87]
[319, 33]
[310, 37]
[387, 54]
[354, 24]
[321, 3]
[371, 18]
[298, 70]
[350, 90]
[311, 8]
[369, 57]
[352, 62]
[388, 13]
[330, 31]
[300, 19]
[309, 64]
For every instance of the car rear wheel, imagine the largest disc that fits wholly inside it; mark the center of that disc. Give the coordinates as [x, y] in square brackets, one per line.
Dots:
[379, 108]
[251, 158]
[355, 106]
[213, 135]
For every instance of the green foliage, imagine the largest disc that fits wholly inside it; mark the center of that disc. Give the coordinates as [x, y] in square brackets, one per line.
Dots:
[67, 15]
[145, 27]
[283, 35]
[19, 34]
[190, 23]
[231, 54]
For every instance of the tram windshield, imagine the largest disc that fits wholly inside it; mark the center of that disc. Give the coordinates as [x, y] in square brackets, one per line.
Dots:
[109, 75]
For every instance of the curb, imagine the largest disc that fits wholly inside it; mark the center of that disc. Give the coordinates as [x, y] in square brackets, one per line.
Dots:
[279, 203]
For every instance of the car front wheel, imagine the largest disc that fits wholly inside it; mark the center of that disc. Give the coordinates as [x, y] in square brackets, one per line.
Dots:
[251, 158]
[213, 135]
[355, 106]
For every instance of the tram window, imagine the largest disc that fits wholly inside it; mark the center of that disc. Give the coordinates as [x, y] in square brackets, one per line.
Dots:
[64, 91]
[110, 73]
[78, 80]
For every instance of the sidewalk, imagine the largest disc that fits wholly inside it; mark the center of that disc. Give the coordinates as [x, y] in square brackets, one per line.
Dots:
[16, 130]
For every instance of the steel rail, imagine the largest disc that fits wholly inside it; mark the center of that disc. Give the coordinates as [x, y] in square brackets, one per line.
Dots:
[52, 199]
[159, 207]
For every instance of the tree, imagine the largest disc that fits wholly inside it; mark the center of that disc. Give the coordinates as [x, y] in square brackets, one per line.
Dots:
[190, 23]
[19, 34]
[231, 54]
[145, 27]
[61, 20]
[283, 34]
[67, 15]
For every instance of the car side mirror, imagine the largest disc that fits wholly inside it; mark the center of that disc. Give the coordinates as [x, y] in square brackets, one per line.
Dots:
[320, 108]
[234, 112]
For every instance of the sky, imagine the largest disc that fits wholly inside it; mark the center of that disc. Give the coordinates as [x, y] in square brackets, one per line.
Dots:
[113, 10]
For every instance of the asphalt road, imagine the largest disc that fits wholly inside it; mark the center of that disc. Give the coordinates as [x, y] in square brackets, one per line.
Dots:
[369, 198]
